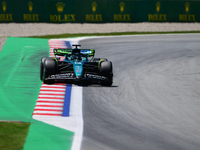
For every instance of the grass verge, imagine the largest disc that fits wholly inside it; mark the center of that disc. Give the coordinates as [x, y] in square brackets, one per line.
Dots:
[108, 34]
[13, 135]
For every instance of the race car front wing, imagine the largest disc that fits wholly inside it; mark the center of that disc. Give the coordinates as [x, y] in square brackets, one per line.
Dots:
[71, 76]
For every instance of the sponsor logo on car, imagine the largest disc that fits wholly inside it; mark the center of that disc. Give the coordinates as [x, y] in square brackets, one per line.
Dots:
[66, 75]
[91, 76]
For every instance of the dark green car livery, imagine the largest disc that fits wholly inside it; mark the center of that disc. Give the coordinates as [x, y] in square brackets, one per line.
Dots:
[79, 67]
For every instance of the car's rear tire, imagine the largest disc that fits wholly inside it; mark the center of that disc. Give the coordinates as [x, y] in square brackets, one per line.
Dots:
[98, 59]
[50, 68]
[106, 71]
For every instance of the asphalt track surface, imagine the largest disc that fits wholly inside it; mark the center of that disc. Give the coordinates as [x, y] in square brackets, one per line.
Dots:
[155, 99]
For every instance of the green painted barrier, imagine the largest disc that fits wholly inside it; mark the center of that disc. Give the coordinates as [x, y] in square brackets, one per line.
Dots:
[99, 11]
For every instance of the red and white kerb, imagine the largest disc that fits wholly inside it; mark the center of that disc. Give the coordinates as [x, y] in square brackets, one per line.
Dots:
[50, 100]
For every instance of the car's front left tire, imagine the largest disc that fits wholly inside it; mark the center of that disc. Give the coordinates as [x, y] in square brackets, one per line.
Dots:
[49, 68]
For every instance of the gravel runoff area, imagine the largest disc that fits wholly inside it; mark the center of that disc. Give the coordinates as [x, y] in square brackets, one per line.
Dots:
[31, 29]
[34, 29]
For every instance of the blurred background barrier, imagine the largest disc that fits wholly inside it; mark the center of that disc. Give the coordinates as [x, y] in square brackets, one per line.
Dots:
[99, 11]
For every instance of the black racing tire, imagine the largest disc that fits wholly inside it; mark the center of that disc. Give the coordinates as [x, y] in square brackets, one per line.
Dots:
[50, 68]
[42, 65]
[45, 58]
[41, 70]
[106, 70]
[98, 59]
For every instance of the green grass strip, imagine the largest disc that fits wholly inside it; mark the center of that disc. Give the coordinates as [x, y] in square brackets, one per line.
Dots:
[108, 34]
[13, 135]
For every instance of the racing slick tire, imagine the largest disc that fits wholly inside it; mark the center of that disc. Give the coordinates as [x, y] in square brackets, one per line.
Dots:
[99, 59]
[42, 66]
[107, 71]
[50, 67]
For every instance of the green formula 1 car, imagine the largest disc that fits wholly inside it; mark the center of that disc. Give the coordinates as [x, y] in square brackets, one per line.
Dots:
[78, 67]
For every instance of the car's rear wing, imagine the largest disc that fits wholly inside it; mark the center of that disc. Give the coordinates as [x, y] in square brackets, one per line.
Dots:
[63, 52]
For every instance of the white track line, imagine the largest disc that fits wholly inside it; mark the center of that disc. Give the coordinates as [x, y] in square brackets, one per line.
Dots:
[50, 104]
[76, 112]
[57, 108]
[47, 112]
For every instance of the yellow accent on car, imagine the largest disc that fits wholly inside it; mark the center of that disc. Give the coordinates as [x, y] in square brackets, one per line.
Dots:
[55, 60]
[100, 63]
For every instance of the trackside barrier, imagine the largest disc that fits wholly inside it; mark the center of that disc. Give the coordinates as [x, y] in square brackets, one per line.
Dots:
[99, 11]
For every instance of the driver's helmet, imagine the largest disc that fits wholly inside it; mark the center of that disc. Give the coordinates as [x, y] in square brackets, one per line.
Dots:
[76, 57]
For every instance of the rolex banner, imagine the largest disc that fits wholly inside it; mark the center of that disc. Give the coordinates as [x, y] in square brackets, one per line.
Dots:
[99, 11]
